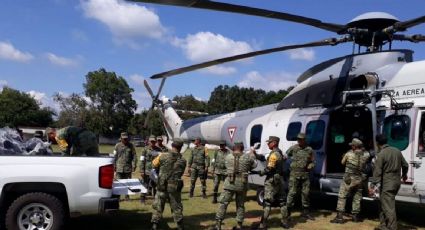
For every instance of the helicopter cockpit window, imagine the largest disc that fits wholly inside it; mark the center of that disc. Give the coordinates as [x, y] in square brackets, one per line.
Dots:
[315, 132]
[293, 129]
[397, 129]
[256, 131]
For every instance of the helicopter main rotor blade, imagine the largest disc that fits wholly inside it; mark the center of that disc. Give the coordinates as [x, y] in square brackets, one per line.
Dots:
[226, 7]
[401, 26]
[325, 42]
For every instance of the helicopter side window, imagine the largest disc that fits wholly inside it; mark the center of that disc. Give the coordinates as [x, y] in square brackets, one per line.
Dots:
[315, 132]
[397, 129]
[293, 129]
[256, 131]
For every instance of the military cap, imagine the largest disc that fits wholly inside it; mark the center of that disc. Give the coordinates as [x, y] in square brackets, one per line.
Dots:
[301, 136]
[203, 141]
[238, 143]
[159, 138]
[152, 138]
[273, 138]
[124, 135]
[356, 142]
[222, 142]
[178, 142]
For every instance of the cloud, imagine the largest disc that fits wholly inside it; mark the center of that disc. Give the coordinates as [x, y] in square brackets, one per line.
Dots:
[3, 83]
[302, 54]
[44, 100]
[125, 20]
[138, 79]
[79, 35]
[204, 46]
[62, 61]
[9, 52]
[270, 81]
[143, 100]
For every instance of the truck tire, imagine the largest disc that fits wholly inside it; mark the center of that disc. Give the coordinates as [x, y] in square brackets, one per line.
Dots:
[260, 195]
[39, 211]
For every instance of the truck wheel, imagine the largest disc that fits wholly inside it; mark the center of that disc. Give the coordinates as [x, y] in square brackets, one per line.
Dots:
[260, 196]
[38, 211]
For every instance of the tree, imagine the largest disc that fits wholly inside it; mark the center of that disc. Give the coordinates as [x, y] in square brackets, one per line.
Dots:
[155, 125]
[189, 103]
[74, 110]
[20, 109]
[112, 105]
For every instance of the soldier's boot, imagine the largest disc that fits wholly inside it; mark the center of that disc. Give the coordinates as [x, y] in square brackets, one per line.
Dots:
[238, 226]
[143, 199]
[214, 201]
[154, 226]
[191, 192]
[306, 214]
[204, 194]
[356, 218]
[339, 219]
[284, 223]
[180, 225]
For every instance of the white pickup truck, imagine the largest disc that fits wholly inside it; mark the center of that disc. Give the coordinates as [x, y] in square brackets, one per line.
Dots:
[42, 192]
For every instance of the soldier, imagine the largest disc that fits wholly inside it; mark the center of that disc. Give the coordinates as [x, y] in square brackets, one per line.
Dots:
[74, 141]
[273, 185]
[219, 168]
[352, 183]
[198, 167]
[171, 166]
[124, 158]
[238, 165]
[159, 144]
[302, 163]
[386, 174]
[146, 158]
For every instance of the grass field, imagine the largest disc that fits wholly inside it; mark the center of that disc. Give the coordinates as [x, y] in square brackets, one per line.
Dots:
[199, 213]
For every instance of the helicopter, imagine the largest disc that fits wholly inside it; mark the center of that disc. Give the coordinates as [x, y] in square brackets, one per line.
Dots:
[362, 94]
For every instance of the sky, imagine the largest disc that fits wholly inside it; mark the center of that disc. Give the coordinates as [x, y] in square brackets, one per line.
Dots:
[49, 46]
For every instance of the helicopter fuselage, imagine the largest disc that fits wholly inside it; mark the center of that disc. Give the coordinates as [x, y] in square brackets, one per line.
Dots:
[316, 107]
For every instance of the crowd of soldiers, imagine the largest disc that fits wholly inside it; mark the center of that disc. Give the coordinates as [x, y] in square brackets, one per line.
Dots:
[232, 168]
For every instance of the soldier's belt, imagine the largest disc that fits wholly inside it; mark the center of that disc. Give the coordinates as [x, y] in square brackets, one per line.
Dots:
[298, 170]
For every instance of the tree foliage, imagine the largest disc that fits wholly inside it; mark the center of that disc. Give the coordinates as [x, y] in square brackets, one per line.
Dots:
[112, 106]
[189, 103]
[155, 125]
[20, 109]
[74, 110]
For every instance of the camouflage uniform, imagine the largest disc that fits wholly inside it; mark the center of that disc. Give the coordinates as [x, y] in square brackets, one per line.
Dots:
[302, 163]
[125, 160]
[163, 148]
[198, 163]
[171, 166]
[238, 165]
[77, 141]
[387, 173]
[273, 185]
[352, 183]
[219, 168]
[148, 154]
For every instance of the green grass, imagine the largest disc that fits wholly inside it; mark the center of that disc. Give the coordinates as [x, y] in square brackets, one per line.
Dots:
[200, 213]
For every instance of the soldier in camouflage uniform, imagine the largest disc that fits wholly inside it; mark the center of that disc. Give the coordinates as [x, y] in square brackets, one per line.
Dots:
[146, 158]
[273, 185]
[198, 167]
[301, 165]
[75, 141]
[386, 174]
[238, 165]
[219, 168]
[159, 144]
[125, 160]
[171, 166]
[352, 183]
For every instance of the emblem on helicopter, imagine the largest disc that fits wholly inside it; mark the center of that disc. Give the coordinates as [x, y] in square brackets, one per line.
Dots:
[231, 131]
